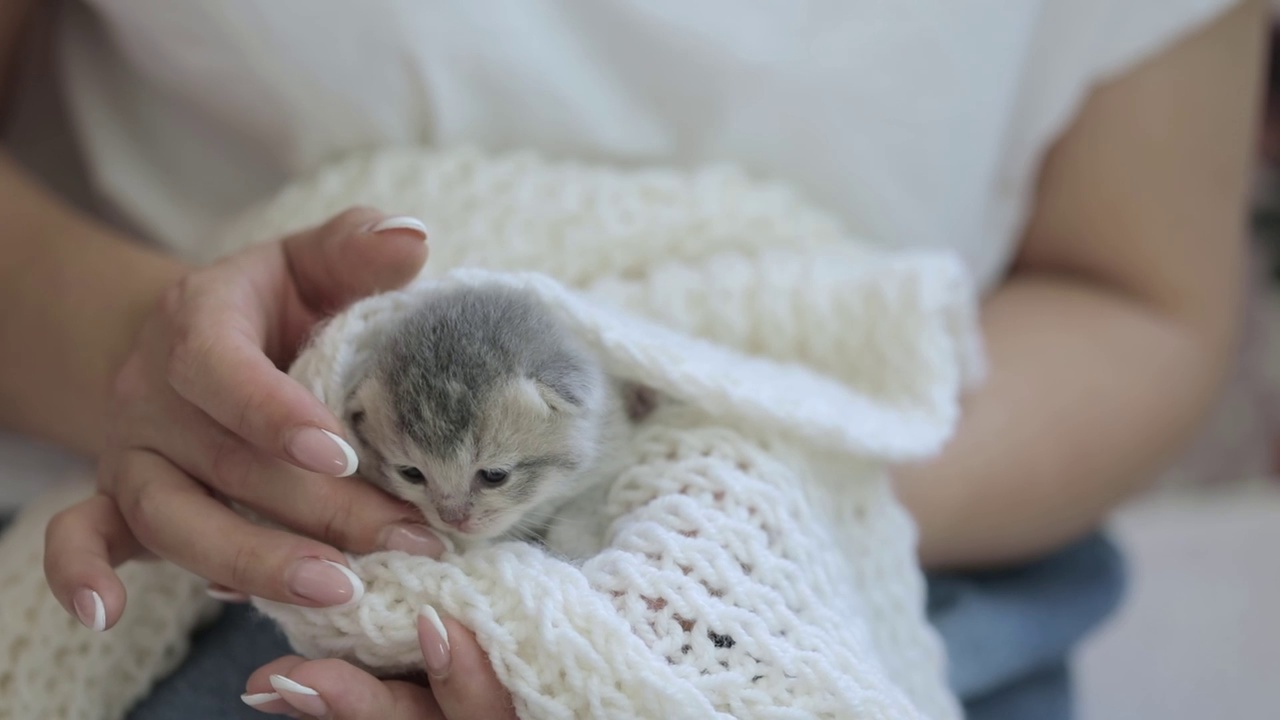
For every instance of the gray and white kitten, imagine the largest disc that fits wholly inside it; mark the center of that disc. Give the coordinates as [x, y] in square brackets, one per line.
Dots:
[486, 412]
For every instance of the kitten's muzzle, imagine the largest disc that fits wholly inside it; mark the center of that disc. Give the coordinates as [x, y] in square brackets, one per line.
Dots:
[455, 515]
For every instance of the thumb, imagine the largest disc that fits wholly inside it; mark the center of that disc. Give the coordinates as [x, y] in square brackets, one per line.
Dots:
[357, 253]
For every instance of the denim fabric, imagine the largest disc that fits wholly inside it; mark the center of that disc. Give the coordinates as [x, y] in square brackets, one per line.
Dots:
[1010, 634]
[208, 684]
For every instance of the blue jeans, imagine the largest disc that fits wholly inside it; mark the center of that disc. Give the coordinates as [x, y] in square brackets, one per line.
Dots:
[1009, 635]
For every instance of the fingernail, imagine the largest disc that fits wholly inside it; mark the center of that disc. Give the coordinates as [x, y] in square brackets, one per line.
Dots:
[413, 539]
[400, 222]
[225, 595]
[435, 642]
[325, 582]
[300, 696]
[256, 699]
[90, 610]
[321, 451]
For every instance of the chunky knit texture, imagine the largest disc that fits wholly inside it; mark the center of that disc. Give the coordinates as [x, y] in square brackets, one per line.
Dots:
[52, 668]
[755, 562]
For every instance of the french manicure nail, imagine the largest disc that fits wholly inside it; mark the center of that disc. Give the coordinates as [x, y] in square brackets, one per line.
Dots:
[90, 610]
[413, 539]
[324, 582]
[225, 595]
[400, 222]
[435, 642]
[300, 696]
[321, 451]
[253, 700]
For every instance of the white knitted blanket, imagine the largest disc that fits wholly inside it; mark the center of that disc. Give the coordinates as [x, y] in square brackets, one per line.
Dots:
[756, 564]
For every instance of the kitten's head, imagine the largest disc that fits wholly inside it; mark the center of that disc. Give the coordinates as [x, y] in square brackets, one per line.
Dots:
[480, 409]
[526, 446]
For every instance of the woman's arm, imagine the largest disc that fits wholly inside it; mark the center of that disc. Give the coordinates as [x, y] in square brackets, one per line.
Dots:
[72, 293]
[74, 296]
[1110, 339]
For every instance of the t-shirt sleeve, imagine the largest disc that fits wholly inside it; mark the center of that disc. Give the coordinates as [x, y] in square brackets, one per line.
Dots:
[1130, 31]
[1074, 46]
[1078, 44]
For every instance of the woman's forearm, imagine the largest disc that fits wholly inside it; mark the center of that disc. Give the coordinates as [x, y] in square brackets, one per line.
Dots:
[1090, 393]
[72, 296]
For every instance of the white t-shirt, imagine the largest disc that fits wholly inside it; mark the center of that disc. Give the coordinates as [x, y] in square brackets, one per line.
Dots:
[921, 122]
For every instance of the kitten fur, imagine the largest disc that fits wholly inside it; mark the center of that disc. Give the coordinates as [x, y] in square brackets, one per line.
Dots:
[477, 382]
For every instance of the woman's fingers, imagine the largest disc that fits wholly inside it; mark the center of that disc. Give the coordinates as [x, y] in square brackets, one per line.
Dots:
[259, 694]
[462, 678]
[347, 513]
[224, 321]
[173, 516]
[357, 253]
[338, 690]
[83, 545]
[222, 371]
[222, 593]
[463, 684]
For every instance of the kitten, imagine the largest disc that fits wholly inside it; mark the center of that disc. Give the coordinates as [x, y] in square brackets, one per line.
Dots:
[486, 412]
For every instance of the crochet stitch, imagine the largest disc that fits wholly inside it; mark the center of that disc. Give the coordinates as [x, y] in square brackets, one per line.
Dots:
[51, 667]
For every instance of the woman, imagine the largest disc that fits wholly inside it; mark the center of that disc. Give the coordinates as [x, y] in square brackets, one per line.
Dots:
[1087, 158]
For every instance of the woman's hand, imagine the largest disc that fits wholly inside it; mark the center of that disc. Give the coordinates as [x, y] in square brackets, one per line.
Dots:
[462, 684]
[201, 412]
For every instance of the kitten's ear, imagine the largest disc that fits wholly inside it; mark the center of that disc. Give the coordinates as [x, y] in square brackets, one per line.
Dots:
[542, 398]
[354, 419]
[353, 412]
[639, 400]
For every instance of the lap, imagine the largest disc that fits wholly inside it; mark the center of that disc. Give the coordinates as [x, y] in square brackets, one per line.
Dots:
[209, 682]
[1008, 635]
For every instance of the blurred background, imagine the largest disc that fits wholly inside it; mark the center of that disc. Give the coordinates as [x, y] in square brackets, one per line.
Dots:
[1199, 634]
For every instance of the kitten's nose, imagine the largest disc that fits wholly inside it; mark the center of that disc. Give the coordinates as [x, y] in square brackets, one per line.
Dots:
[455, 515]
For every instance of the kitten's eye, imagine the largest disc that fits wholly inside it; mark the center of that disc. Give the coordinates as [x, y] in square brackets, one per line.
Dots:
[493, 478]
[412, 474]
